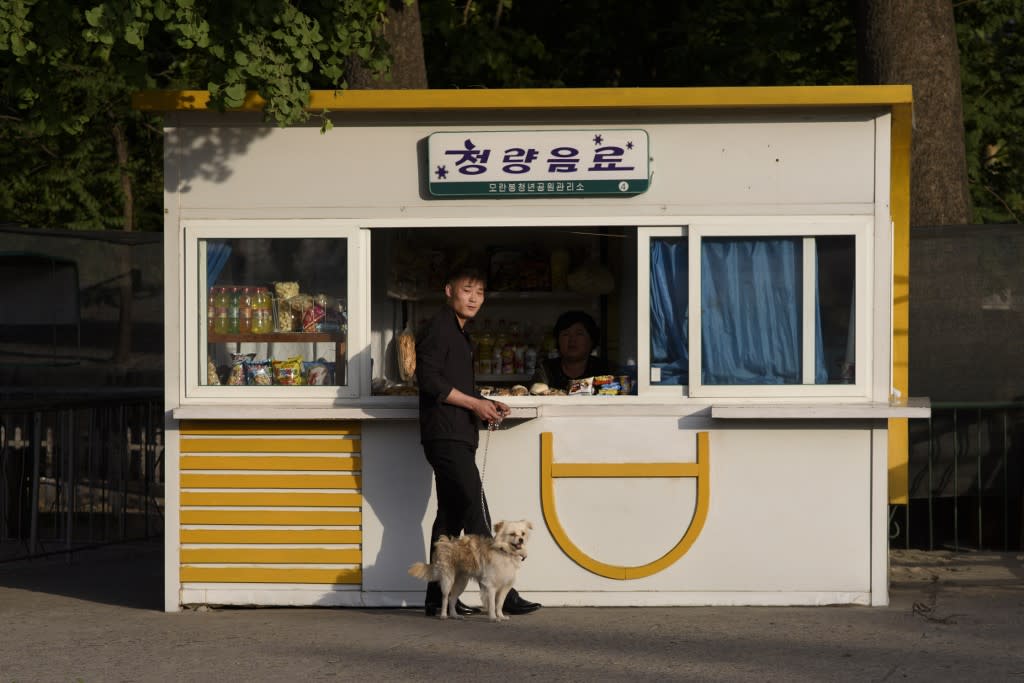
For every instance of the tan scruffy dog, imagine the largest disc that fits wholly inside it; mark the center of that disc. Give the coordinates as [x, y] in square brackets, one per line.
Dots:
[491, 562]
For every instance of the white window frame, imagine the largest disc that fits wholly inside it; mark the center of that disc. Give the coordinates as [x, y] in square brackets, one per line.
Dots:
[193, 334]
[861, 228]
[643, 312]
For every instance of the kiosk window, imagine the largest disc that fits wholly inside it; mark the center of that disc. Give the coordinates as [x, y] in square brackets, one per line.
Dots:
[273, 313]
[773, 310]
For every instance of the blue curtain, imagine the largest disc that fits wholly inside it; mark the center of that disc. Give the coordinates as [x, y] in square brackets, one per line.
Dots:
[669, 324]
[217, 254]
[751, 299]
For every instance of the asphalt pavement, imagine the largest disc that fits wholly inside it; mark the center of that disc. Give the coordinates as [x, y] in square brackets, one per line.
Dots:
[99, 618]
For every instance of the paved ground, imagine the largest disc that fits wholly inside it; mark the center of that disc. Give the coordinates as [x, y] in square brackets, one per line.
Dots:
[953, 617]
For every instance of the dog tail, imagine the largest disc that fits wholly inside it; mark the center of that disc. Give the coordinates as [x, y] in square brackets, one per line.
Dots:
[422, 571]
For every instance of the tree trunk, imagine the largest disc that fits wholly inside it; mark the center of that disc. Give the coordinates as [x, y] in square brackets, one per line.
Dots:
[404, 36]
[914, 41]
[127, 293]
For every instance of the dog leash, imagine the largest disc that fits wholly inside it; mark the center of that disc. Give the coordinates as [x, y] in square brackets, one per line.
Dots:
[491, 427]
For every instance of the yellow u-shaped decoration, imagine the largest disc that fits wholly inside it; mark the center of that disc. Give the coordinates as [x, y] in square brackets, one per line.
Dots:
[550, 470]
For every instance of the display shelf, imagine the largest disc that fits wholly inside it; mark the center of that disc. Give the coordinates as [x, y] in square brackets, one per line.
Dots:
[297, 337]
[502, 378]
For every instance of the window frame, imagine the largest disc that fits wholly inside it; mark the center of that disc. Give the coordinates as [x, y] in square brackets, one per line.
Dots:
[192, 336]
[860, 227]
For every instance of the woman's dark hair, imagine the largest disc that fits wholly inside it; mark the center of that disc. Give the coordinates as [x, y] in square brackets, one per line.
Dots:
[570, 318]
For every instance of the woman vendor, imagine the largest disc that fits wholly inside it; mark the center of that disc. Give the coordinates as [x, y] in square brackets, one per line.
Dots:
[577, 335]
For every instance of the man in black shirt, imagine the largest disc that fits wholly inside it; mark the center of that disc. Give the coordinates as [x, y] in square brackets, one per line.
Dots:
[451, 413]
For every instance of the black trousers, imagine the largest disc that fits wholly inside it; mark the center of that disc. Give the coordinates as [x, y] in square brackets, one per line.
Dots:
[461, 505]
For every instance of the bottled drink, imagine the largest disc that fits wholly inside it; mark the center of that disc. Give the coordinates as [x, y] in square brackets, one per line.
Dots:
[211, 309]
[518, 351]
[245, 310]
[497, 352]
[484, 349]
[262, 315]
[222, 303]
[233, 297]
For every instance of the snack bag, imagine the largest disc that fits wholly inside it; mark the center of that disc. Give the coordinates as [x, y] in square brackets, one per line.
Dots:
[581, 387]
[258, 373]
[212, 378]
[237, 376]
[316, 373]
[288, 372]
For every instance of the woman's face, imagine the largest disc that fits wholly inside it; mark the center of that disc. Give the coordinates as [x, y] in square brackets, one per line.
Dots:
[574, 343]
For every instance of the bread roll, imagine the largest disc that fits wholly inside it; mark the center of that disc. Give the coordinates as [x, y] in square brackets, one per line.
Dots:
[406, 355]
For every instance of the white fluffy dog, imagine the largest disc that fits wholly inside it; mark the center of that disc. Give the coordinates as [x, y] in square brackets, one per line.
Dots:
[491, 562]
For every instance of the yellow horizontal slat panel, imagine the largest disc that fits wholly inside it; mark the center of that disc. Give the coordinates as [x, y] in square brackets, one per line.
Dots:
[271, 499]
[270, 462]
[270, 481]
[269, 575]
[268, 427]
[268, 444]
[271, 555]
[271, 536]
[273, 517]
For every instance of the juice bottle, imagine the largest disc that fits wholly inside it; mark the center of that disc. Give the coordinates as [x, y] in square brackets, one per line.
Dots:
[518, 351]
[245, 310]
[211, 309]
[233, 310]
[262, 316]
[484, 349]
[222, 303]
[500, 339]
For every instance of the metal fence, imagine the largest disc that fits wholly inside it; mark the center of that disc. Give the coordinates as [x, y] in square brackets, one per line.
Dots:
[79, 473]
[966, 480]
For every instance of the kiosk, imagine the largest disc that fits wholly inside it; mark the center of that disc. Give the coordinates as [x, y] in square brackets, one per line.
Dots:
[744, 251]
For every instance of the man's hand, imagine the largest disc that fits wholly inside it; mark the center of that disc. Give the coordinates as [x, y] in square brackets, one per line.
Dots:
[490, 411]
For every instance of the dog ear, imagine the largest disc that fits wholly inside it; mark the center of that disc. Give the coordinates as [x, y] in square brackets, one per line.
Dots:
[529, 525]
[498, 526]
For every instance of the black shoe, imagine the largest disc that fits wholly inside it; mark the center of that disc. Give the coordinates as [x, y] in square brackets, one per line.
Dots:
[432, 609]
[515, 604]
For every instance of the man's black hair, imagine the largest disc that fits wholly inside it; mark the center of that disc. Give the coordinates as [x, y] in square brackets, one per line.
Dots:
[570, 318]
[465, 273]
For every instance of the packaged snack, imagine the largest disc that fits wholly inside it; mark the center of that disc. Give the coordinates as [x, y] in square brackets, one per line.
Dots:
[258, 373]
[312, 318]
[316, 373]
[519, 390]
[212, 378]
[237, 376]
[288, 372]
[581, 387]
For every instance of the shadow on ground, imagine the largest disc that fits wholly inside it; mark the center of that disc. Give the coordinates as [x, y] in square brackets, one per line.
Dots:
[126, 575]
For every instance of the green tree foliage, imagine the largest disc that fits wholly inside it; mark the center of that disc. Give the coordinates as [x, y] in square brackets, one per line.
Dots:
[596, 43]
[991, 38]
[76, 155]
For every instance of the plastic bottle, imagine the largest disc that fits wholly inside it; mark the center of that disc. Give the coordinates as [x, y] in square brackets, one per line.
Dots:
[233, 310]
[262, 316]
[245, 310]
[484, 349]
[211, 309]
[222, 303]
[518, 351]
[500, 339]
[530, 360]
[548, 347]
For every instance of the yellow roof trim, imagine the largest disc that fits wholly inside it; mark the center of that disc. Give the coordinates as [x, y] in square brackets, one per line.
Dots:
[553, 98]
